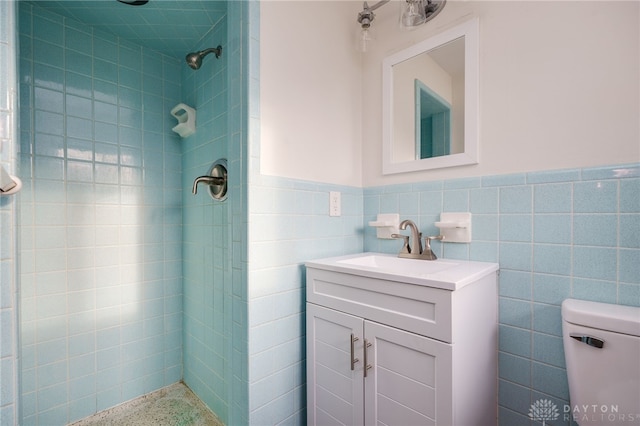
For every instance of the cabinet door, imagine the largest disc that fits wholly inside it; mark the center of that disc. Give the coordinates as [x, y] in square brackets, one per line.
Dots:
[409, 382]
[334, 387]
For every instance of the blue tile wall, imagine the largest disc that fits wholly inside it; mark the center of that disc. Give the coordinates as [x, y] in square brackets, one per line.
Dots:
[556, 234]
[527, 223]
[534, 225]
[289, 223]
[243, 63]
[101, 252]
[8, 215]
[206, 237]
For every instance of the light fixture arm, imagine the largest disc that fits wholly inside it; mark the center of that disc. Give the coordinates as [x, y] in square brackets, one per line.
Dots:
[377, 5]
[366, 16]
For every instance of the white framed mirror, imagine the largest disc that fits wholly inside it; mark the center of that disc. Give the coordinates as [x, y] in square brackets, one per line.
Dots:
[430, 102]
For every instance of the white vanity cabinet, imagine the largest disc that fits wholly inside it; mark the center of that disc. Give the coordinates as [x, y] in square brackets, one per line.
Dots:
[384, 351]
[401, 376]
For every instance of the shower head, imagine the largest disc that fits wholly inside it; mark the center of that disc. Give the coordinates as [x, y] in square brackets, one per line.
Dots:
[194, 59]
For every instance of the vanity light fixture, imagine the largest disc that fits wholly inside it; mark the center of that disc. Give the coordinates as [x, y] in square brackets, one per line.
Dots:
[412, 14]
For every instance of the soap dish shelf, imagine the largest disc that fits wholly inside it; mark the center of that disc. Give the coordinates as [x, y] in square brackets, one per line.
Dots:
[386, 225]
[455, 227]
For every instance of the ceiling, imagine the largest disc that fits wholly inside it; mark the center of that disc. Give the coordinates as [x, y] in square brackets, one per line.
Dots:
[173, 27]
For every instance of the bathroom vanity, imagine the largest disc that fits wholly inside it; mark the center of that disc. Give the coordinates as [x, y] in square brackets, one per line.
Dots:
[401, 341]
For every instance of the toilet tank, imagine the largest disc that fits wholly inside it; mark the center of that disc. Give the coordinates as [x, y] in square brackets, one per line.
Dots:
[602, 353]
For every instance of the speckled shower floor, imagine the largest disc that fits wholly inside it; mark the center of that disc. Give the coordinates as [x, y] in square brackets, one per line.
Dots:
[174, 405]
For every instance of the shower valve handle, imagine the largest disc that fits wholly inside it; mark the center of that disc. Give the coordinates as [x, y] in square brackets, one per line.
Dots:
[209, 180]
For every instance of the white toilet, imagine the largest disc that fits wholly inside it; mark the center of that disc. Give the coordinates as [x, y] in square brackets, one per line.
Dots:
[602, 352]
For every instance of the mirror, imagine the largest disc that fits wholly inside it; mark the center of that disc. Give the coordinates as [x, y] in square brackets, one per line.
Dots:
[430, 103]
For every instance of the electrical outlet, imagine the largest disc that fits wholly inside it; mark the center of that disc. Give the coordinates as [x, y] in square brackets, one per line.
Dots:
[334, 204]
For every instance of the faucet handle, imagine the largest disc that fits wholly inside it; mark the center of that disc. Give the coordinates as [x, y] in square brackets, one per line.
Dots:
[405, 244]
[427, 253]
[427, 241]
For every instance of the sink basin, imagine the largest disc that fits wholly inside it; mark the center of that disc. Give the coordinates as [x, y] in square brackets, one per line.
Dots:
[398, 265]
[441, 273]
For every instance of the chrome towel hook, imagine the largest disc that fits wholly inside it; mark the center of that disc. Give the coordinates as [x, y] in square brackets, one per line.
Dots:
[216, 180]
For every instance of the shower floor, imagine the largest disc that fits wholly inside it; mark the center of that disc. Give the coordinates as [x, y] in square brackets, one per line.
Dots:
[175, 405]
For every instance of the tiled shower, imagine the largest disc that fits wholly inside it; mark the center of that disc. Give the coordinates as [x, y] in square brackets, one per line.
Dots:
[104, 316]
[100, 220]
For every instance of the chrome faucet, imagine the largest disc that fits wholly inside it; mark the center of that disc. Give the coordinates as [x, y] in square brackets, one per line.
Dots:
[413, 249]
[416, 236]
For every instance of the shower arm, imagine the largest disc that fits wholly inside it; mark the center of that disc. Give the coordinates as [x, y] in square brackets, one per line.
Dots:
[216, 50]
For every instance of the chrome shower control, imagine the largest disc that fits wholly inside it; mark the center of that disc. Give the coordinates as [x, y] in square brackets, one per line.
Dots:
[216, 179]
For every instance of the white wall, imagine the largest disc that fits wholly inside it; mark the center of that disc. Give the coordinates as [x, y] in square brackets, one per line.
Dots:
[559, 88]
[310, 91]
